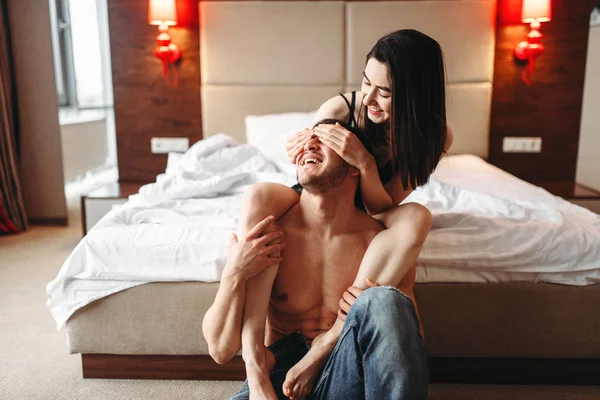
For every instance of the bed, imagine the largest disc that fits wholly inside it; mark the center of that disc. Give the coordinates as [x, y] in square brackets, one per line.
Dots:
[497, 314]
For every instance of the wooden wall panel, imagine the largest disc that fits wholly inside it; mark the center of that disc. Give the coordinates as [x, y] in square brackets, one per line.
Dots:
[551, 108]
[145, 106]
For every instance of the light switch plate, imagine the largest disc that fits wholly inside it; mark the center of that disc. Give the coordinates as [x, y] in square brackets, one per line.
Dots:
[522, 144]
[163, 145]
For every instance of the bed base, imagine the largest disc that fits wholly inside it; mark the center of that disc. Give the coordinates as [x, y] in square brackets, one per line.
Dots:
[531, 371]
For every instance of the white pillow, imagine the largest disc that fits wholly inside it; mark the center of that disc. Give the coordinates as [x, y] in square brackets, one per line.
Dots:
[269, 133]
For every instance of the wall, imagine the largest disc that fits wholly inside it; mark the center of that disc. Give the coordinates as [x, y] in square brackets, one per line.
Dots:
[588, 163]
[40, 153]
[551, 108]
[144, 105]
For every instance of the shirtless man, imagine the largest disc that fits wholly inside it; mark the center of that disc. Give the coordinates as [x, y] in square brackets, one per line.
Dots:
[379, 353]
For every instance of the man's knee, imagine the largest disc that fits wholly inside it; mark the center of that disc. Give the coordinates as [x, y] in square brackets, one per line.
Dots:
[384, 296]
[384, 305]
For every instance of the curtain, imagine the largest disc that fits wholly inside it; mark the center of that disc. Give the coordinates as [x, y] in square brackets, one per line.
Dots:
[12, 208]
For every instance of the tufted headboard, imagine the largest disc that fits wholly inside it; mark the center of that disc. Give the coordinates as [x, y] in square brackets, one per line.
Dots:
[267, 57]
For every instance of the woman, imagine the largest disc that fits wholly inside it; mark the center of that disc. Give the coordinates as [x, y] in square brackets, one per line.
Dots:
[401, 107]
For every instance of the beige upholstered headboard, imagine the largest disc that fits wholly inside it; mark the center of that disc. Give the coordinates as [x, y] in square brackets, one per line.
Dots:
[267, 57]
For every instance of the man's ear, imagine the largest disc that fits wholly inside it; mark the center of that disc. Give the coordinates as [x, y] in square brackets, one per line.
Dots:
[354, 171]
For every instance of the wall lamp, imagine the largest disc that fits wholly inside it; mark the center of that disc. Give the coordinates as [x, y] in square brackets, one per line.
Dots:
[164, 14]
[533, 12]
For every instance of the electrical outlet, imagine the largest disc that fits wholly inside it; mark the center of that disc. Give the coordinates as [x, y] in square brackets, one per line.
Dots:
[522, 144]
[160, 145]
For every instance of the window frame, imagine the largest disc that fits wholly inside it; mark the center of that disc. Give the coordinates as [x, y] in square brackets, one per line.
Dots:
[63, 53]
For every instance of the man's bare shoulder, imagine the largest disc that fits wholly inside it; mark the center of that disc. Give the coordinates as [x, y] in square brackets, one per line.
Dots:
[291, 219]
[368, 224]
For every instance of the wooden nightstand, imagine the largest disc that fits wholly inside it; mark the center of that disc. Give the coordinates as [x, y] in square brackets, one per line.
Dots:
[98, 202]
[574, 192]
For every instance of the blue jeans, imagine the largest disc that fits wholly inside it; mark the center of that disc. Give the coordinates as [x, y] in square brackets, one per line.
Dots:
[379, 355]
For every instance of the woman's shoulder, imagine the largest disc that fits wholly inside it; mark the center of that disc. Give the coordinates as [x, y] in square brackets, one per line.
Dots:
[337, 108]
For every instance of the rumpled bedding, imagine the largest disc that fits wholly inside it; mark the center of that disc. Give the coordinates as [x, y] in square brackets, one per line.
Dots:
[488, 226]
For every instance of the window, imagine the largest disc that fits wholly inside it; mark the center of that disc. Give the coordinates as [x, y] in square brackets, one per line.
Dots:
[81, 53]
[61, 45]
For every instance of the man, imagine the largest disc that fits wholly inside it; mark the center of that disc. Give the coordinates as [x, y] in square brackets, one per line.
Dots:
[379, 352]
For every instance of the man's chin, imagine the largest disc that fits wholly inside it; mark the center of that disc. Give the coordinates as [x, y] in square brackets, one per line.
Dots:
[312, 184]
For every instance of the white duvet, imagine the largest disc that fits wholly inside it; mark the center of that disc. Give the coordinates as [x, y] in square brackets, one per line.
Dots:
[488, 226]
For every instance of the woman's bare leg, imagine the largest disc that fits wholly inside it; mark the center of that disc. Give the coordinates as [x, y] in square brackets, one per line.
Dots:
[261, 200]
[394, 251]
[389, 259]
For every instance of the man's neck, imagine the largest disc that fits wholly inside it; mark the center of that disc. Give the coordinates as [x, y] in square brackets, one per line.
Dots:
[329, 212]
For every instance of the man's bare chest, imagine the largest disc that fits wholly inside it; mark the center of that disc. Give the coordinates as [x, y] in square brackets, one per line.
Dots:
[315, 272]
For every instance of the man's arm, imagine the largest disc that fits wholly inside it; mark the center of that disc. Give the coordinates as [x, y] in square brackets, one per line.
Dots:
[247, 258]
[222, 322]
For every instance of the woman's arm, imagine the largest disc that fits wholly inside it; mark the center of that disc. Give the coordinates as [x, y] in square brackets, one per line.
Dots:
[379, 198]
[376, 197]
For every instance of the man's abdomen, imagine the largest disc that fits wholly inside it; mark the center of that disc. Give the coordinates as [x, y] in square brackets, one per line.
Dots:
[311, 323]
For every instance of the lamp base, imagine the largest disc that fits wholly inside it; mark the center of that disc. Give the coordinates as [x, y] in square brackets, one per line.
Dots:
[522, 51]
[168, 54]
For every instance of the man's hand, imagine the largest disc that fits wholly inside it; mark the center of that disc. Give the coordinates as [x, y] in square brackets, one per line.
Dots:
[350, 296]
[248, 256]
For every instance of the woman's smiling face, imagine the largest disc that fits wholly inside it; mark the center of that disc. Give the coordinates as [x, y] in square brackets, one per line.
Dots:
[377, 88]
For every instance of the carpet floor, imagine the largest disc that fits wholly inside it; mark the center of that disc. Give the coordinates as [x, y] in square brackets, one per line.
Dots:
[34, 363]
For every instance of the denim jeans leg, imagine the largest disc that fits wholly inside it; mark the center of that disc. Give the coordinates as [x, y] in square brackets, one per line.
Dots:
[380, 354]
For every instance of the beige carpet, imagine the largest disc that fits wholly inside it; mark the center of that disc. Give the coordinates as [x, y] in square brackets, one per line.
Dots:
[34, 363]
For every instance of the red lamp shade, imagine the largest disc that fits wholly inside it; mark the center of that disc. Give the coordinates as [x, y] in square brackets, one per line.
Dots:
[536, 10]
[162, 12]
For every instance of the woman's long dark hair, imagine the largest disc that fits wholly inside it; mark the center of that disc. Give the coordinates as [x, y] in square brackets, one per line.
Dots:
[418, 120]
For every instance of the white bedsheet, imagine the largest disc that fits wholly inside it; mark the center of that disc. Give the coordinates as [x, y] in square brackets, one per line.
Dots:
[488, 226]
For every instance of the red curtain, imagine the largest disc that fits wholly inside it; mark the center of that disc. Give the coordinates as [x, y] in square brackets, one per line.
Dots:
[12, 208]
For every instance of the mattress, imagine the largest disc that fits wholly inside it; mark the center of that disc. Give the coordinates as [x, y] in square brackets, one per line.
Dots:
[460, 320]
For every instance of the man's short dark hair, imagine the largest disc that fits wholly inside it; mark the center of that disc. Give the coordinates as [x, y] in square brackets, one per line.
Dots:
[360, 134]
